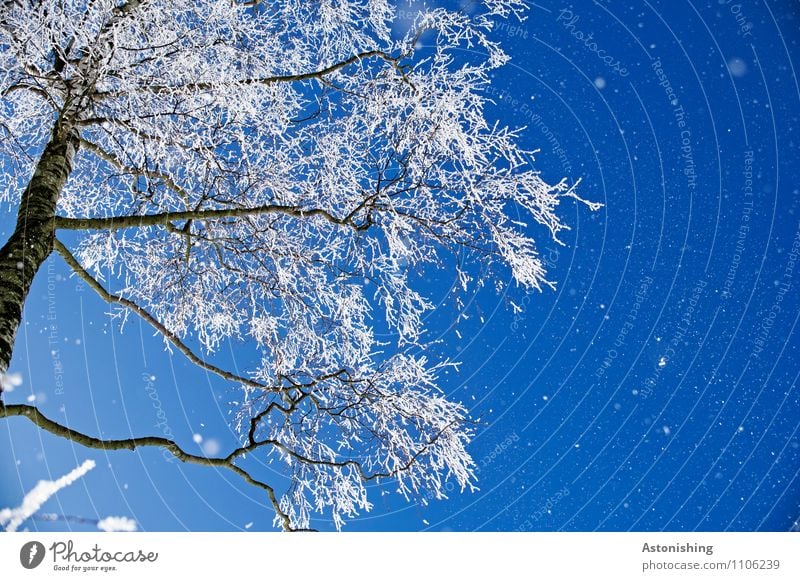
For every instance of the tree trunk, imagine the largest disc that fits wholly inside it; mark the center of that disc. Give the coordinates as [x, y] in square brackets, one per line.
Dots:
[32, 240]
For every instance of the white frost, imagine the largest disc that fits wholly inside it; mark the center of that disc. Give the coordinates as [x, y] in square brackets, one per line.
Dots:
[10, 381]
[11, 518]
[117, 524]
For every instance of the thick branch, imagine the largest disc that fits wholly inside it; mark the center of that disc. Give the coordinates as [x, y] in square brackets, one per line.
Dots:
[169, 335]
[45, 423]
[119, 222]
[318, 74]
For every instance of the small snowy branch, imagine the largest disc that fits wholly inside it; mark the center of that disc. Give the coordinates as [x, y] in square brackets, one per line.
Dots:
[107, 524]
[120, 524]
[12, 518]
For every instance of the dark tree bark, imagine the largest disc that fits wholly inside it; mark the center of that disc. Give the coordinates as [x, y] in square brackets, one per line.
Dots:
[32, 240]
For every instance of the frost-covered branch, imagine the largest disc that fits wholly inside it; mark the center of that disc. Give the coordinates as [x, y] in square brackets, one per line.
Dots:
[289, 78]
[120, 222]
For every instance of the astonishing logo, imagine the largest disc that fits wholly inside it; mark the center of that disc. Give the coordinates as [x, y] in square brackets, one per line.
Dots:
[31, 554]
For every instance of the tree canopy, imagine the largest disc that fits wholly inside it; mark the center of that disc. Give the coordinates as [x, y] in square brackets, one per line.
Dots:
[273, 173]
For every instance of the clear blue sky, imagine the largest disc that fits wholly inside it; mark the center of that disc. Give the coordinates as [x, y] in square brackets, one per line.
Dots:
[655, 389]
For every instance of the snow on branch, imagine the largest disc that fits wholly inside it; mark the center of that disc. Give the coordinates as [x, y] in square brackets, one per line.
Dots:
[121, 524]
[12, 518]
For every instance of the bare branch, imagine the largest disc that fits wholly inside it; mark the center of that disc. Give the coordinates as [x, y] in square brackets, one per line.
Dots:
[39, 419]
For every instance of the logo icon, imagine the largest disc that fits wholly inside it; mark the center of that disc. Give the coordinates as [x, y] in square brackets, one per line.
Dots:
[31, 554]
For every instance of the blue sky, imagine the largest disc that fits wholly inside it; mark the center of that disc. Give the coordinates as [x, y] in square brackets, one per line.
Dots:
[654, 389]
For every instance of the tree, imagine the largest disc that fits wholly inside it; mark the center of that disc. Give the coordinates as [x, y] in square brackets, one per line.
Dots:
[271, 172]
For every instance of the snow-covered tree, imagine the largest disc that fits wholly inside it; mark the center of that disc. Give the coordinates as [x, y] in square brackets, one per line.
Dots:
[272, 172]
